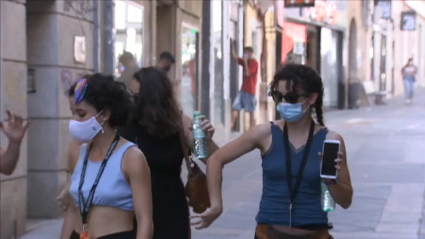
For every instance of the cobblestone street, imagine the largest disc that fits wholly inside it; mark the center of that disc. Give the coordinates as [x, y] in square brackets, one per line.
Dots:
[385, 147]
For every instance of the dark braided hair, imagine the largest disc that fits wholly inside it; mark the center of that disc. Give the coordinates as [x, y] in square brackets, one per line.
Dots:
[302, 77]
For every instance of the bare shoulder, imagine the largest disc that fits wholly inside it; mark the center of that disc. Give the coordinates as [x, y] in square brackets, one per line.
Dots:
[258, 133]
[186, 119]
[133, 159]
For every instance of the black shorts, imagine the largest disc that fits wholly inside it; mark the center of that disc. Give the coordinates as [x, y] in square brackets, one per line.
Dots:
[119, 235]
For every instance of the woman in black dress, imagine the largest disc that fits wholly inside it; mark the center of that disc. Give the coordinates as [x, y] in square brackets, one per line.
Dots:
[155, 129]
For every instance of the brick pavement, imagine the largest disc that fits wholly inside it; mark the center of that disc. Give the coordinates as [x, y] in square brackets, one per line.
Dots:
[385, 148]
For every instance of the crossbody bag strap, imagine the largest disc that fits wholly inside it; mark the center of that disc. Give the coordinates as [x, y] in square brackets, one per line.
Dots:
[184, 147]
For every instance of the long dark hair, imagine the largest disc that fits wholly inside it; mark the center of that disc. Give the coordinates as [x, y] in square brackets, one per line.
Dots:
[302, 77]
[157, 108]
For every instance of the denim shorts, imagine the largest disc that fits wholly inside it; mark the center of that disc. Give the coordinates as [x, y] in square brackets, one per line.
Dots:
[245, 101]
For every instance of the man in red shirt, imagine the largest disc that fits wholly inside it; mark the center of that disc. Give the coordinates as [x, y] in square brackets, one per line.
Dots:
[246, 97]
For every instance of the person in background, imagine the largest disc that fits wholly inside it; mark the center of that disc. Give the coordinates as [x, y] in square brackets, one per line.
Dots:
[14, 128]
[409, 72]
[156, 129]
[110, 181]
[289, 147]
[245, 99]
[166, 61]
[129, 64]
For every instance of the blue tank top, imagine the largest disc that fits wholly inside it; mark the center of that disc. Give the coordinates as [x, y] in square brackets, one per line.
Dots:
[113, 189]
[274, 204]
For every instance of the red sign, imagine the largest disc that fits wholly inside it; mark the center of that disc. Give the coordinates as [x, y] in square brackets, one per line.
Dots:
[292, 33]
[299, 3]
[323, 11]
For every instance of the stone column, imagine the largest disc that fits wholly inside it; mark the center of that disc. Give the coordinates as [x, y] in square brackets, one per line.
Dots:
[52, 30]
[13, 75]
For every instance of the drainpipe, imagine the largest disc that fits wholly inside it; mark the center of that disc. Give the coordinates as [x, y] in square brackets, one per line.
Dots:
[108, 29]
[206, 53]
[1, 62]
[96, 36]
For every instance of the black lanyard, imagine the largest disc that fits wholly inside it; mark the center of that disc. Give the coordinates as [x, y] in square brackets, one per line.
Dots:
[86, 205]
[293, 190]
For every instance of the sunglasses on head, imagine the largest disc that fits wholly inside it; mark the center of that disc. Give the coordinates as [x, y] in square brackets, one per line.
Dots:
[289, 97]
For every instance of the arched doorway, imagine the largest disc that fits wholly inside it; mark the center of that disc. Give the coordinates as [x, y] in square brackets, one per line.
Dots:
[353, 80]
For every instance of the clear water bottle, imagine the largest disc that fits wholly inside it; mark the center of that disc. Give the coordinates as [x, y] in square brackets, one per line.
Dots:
[200, 146]
[328, 203]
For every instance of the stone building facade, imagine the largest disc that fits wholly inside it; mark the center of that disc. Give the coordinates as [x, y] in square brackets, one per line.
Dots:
[378, 48]
[51, 44]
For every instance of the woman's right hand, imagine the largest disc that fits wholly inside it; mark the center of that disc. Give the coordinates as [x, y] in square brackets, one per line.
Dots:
[205, 219]
[64, 199]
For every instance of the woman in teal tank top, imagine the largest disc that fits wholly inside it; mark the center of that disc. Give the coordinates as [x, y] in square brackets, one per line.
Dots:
[290, 205]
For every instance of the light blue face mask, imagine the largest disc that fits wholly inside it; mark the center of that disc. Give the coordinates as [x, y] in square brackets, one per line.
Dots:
[245, 56]
[291, 112]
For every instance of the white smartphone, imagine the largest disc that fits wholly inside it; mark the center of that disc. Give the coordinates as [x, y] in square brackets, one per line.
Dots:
[329, 154]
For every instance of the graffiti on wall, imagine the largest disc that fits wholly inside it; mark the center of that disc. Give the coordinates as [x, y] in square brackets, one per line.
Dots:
[78, 7]
[67, 79]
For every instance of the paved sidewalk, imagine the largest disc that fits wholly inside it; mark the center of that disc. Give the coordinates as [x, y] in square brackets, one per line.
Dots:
[385, 147]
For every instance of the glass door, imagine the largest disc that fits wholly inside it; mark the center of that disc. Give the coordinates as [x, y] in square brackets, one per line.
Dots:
[128, 25]
[218, 64]
[189, 81]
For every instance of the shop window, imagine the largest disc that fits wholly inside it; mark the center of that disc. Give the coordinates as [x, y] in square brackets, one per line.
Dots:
[189, 81]
[128, 27]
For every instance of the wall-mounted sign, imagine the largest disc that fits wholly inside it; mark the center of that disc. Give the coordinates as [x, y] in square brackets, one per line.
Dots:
[298, 48]
[31, 81]
[385, 8]
[323, 11]
[408, 21]
[299, 3]
[80, 49]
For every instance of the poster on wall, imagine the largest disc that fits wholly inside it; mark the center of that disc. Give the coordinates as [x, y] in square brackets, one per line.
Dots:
[80, 49]
[408, 21]
[299, 3]
[385, 8]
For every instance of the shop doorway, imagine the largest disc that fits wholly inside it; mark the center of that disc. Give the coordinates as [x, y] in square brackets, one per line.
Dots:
[329, 66]
[313, 48]
[353, 80]
[383, 65]
[128, 25]
[235, 73]
[189, 78]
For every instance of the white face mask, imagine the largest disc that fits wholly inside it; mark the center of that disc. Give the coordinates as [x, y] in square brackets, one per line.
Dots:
[86, 130]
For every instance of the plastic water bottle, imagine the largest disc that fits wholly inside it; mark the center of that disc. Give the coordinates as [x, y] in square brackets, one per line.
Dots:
[328, 203]
[200, 145]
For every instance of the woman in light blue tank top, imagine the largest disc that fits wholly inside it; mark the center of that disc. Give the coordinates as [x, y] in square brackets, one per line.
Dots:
[110, 181]
[290, 206]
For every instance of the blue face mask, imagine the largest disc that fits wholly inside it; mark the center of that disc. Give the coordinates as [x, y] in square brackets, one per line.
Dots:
[291, 112]
[245, 56]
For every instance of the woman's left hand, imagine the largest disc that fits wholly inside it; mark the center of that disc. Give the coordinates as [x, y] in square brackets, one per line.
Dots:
[207, 127]
[338, 162]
